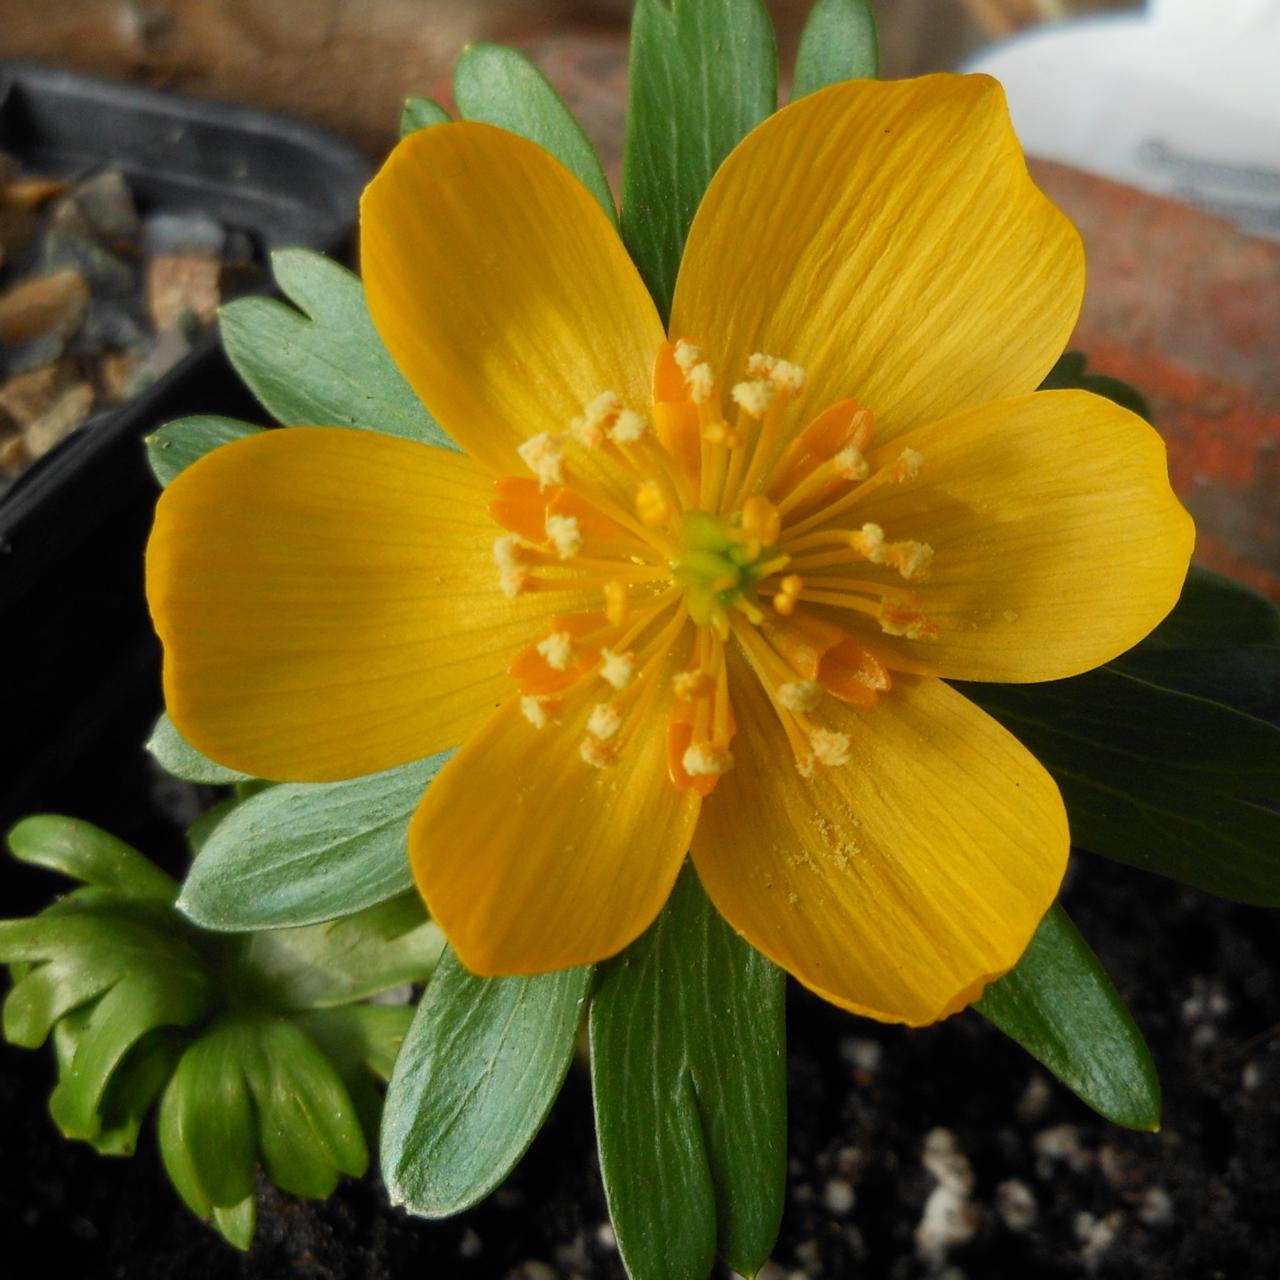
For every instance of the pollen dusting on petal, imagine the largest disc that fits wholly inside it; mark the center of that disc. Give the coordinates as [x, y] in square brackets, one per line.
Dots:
[600, 755]
[563, 534]
[754, 396]
[512, 580]
[849, 464]
[557, 649]
[535, 711]
[627, 428]
[604, 722]
[617, 668]
[544, 457]
[830, 748]
[901, 619]
[705, 758]
[800, 695]
[687, 685]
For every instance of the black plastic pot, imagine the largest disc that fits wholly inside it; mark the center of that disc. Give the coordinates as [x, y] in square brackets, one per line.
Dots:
[78, 661]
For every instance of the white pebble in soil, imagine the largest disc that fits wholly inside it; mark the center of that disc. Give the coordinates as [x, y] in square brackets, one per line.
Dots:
[1035, 1099]
[532, 1270]
[839, 1197]
[1016, 1205]
[470, 1245]
[1156, 1207]
[605, 1237]
[1061, 1144]
[944, 1159]
[1096, 1235]
[949, 1217]
[862, 1054]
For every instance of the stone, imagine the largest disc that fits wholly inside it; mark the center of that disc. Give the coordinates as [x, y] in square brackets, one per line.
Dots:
[40, 305]
[39, 353]
[1016, 1205]
[944, 1159]
[118, 371]
[168, 348]
[69, 240]
[949, 1219]
[107, 202]
[32, 193]
[28, 396]
[13, 455]
[839, 1197]
[1061, 1143]
[194, 234]
[113, 324]
[1096, 1235]
[179, 285]
[66, 413]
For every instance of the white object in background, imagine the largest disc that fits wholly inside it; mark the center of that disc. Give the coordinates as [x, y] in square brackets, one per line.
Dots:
[1183, 100]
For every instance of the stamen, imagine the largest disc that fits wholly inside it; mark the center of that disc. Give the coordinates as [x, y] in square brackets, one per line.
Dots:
[761, 520]
[564, 534]
[557, 649]
[512, 580]
[899, 619]
[616, 604]
[800, 695]
[652, 505]
[534, 710]
[789, 590]
[506, 551]
[604, 722]
[787, 377]
[687, 355]
[688, 685]
[830, 748]
[706, 758]
[600, 755]
[617, 668]
[869, 542]
[628, 427]
[544, 457]
[849, 464]
[753, 397]
[908, 464]
[720, 432]
[911, 559]
[701, 382]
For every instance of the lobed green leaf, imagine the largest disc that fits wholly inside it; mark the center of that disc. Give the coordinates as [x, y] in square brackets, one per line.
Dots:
[688, 1066]
[175, 755]
[839, 42]
[421, 113]
[323, 364]
[1061, 1007]
[479, 1069]
[174, 447]
[301, 853]
[499, 86]
[81, 851]
[703, 73]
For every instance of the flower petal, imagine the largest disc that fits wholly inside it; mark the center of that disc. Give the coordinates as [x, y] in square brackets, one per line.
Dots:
[501, 288]
[530, 859]
[1058, 543]
[886, 236]
[328, 603]
[898, 884]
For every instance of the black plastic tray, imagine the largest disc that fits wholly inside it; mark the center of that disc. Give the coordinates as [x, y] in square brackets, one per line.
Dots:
[78, 661]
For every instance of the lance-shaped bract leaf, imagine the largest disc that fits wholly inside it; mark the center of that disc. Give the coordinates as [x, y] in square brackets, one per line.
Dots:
[299, 853]
[688, 1065]
[323, 365]
[478, 1071]
[703, 73]
[1154, 778]
[421, 113]
[1061, 1007]
[177, 756]
[176, 445]
[839, 42]
[81, 851]
[499, 86]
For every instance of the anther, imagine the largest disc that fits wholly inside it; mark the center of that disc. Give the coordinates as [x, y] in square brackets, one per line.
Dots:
[701, 382]
[512, 579]
[911, 559]
[652, 505]
[616, 604]
[761, 520]
[604, 722]
[534, 711]
[506, 551]
[706, 758]
[787, 377]
[687, 355]
[688, 685]
[789, 590]
[544, 457]
[600, 755]
[830, 748]
[753, 396]
[627, 428]
[617, 668]
[563, 534]
[869, 542]
[721, 432]
[557, 649]
[849, 464]
[899, 619]
[908, 464]
[800, 695]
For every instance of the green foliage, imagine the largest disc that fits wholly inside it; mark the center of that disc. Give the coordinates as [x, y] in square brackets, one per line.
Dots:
[499, 86]
[323, 364]
[175, 446]
[299, 853]
[839, 42]
[688, 1062]
[421, 113]
[1154, 778]
[479, 1070]
[1069, 374]
[1059, 1004]
[251, 1043]
[703, 73]
[177, 756]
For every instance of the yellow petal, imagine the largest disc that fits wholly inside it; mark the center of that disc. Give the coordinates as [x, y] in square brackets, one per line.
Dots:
[328, 603]
[1058, 543]
[530, 859]
[501, 289]
[898, 884]
[886, 236]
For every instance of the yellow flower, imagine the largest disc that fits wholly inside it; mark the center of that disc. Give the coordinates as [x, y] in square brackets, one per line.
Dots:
[697, 594]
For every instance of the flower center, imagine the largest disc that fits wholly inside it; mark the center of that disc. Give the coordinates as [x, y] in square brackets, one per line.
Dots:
[741, 533]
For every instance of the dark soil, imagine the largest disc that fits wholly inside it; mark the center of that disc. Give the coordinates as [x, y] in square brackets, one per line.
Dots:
[1197, 1201]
